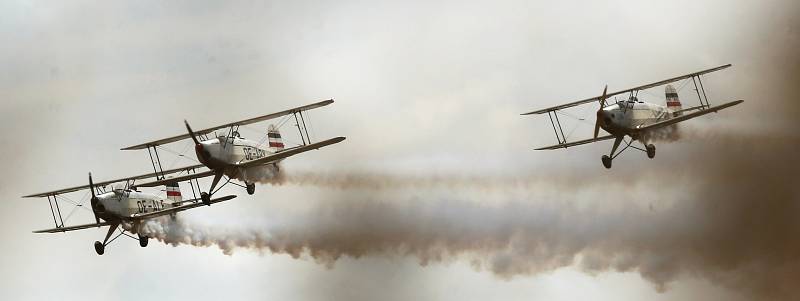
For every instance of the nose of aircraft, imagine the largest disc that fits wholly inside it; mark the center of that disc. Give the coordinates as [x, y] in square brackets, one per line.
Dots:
[202, 153]
[604, 119]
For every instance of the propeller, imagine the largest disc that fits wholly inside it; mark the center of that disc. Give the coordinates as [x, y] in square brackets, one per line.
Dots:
[202, 154]
[602, 100]
[94, 201]
[191, 133]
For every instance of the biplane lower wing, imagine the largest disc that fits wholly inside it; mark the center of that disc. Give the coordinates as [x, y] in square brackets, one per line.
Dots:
[290, 152]
[140, 216]
[73, 228]
[187, 177]
[576, 143]
[688, 116]
[180, 208]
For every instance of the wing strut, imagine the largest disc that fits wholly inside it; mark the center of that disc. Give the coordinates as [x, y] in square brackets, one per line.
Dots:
[55, 221]
[557, 127]
[301, 127]
[705, 105]
[159, 171]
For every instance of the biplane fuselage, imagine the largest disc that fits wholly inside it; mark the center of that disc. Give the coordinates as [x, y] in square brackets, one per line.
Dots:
[225, 153]
[623, 118]
[120, 204]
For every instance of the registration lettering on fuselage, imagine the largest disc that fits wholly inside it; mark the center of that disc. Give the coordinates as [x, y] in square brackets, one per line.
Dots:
[253, 153]
[145, 206]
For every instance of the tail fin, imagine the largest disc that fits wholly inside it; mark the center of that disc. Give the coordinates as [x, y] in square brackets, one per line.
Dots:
[274, 137]
[174, 192]
[673, 103]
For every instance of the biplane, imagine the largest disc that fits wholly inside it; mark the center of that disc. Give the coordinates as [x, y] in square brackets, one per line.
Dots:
[230, 155]
[634, 118]
[124, 209]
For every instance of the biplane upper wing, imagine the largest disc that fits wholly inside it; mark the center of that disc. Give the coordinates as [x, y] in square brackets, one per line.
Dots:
[290, 152]
[180, 208]
[73, 228]
[240, 122]
[688, 116]
[575, 143]
[104, 183]
[642, 87]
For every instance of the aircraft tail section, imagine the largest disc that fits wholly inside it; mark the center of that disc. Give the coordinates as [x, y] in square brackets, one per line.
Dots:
[673, 103]
[274, 138]
[174, 192]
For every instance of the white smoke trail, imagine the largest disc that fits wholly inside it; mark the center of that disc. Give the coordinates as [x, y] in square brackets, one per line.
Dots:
[730, 223]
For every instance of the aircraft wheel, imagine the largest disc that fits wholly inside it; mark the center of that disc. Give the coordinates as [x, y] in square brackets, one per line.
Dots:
[606, 161]
[251, 188]
[143, 240]
[651, 151]
[99, 248]
[206, 198]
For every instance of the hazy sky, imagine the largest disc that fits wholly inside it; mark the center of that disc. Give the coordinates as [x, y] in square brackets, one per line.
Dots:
[438, 166]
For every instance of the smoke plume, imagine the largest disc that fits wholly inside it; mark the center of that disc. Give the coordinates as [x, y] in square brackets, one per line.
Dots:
[728, 215]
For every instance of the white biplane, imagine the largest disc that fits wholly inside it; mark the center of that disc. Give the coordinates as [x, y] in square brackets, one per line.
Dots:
[634, 118]
[124, 209]
[230, 155]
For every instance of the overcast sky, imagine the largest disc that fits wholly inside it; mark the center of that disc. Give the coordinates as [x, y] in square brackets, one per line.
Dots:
[428, 94]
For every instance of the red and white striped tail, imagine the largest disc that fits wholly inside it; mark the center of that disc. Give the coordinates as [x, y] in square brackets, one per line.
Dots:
[274, 138]
[174, 192]
[673, 103]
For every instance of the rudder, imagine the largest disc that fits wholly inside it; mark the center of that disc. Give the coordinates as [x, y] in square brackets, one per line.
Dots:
[673, 103]
[174, 192]
[274, 138]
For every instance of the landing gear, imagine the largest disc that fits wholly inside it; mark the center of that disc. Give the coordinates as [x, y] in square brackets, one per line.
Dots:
[651, 151]
[251, 188]
[606, 161]
[648, 148]
[143, 240]
[206, 198]
[99, 247]
[607, 158]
